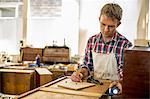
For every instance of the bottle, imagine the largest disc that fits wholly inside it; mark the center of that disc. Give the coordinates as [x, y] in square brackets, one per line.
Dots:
[38, 60]
[113, 91]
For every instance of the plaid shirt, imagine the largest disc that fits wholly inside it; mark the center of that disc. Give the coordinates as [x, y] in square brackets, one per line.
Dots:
[117, 44]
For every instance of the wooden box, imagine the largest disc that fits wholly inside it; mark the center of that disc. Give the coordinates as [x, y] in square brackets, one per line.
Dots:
[16, 82]
[136, 78]
[56, 54]
[29, 54]
[43, 76]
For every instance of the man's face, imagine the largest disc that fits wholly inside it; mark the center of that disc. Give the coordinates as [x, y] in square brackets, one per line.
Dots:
[108, 26]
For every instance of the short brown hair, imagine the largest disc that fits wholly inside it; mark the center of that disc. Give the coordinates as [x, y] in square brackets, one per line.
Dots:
[112, 10]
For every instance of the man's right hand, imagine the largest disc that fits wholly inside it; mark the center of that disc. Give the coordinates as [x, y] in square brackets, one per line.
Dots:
[79, 75]
[76, 76]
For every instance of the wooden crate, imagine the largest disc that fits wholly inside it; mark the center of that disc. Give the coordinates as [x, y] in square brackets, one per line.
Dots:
[43, 76]
[29, 54]
[16, 82]
[56, 54]
[136, 73]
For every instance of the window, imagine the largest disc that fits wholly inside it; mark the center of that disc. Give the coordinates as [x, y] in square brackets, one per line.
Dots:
[10, 25]
[53, 21]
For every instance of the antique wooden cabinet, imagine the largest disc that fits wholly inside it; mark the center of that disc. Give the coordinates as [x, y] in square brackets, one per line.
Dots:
[29, 54]
[136, 82]
[49, 54]
[56, 54]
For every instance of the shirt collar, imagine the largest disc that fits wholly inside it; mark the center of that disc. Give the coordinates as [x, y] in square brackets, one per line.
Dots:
[114, 38]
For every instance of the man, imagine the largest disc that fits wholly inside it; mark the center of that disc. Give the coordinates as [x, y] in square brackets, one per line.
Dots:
[104, 51]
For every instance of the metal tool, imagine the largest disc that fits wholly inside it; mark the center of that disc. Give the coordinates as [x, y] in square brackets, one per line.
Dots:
[92, 80]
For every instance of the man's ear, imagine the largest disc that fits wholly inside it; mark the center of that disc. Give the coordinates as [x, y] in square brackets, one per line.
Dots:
[118, 23]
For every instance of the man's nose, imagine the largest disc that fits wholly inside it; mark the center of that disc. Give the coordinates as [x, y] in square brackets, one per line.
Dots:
[106, 28]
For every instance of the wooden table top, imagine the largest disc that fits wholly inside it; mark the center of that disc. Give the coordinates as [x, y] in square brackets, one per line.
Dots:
[53, 91]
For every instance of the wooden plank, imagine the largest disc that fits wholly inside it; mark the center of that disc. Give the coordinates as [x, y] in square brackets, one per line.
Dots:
[16, 67]
[72, 92]
[97, 88]
[67, 83]
[16, 71]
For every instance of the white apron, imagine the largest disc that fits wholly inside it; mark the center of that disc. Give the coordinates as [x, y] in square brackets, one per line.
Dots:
[105, 66]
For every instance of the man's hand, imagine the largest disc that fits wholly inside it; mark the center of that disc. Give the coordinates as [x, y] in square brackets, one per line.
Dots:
[118, 85]
[79, 75]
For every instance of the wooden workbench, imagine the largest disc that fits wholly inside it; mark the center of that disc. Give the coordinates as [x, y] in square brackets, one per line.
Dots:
[52, 91]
